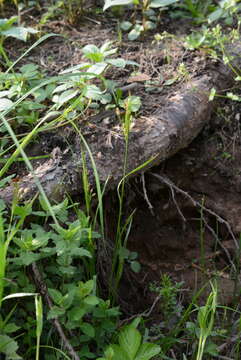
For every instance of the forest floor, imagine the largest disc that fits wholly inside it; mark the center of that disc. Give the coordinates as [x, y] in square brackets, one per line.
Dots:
[187, 219]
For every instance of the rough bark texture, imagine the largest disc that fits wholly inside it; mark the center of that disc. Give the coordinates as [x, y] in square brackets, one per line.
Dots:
[156, 137]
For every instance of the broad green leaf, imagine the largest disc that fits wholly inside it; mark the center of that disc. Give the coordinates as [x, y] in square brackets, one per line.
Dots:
[147, 351]
[126, 25]
[88, 329]
[109, 3]
[63, 87]
[68, 298]
[211, 349]
[117, 62]
[10, 328]
[55, 295]
[18, 32]
[5, 104]
[76, 313]
[135, 266]
[91, 300]
[85, 289]
[8, 346]
[26, 258]
[65, 96]
[54, 312]
[93, 53]
[96, 69]
[81, 252]
[92, 92]
[215, 15]
[130, 340]
[5, 93]
[161, 3]
[120, 353]
[150, 25]
[7, 23]
[135, 32]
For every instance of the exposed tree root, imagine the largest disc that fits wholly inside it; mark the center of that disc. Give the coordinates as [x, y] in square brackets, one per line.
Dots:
[152, 140]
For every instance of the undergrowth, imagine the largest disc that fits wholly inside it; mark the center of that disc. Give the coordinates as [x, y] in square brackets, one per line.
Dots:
[54, 303]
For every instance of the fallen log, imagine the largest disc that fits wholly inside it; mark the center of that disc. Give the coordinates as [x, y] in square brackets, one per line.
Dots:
[152, 139]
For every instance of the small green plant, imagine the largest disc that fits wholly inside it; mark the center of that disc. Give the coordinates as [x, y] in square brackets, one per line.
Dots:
[197, 10]
[131, 346]
[130, 105]
[203, 329]
[226, 10]
[72, 10]
[168, 293]
[8, 29]
[149, 17]
[69, 251]
[200, 11]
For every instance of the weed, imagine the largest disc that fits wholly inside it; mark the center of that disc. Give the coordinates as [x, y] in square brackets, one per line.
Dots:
[149, 16]
[7, 29]
[168, 292]
[131, 346]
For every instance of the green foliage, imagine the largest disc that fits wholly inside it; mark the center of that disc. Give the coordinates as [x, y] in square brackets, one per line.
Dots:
[208, 11]
[72, 10]
[149, 15]
[7, 29]
[65, 252]
[131, 346]
[167, 291]
[74, 90]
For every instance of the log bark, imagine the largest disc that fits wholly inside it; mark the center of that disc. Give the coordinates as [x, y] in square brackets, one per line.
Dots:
[154, 139]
